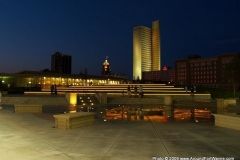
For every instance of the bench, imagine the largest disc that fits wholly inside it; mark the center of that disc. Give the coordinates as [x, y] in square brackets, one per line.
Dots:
[28, 108]
[74, 120]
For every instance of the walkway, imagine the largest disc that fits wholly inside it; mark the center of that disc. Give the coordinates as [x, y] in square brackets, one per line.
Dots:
[32, 137]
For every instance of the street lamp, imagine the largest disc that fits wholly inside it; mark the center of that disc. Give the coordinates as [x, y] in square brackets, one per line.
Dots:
[29, 82]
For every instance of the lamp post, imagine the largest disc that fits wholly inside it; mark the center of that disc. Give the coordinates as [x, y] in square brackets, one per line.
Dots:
[29, 83]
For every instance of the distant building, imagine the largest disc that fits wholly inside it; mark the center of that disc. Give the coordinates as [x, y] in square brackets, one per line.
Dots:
[61, 63]
[165, 75]
[146, 50]
[203, 71]
[45, 80]
[106, 70]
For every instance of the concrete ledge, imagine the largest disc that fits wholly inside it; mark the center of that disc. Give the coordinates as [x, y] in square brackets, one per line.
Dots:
[73, 120]
[40, 100]
[28, 108]
[227, 121]
[223, 104]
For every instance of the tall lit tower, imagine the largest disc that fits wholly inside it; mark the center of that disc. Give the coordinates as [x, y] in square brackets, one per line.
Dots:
[146, 49]
[106, 67]
[156, 52]
[141, 51]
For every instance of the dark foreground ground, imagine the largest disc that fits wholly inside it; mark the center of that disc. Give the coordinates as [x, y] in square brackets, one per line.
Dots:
[32, 137]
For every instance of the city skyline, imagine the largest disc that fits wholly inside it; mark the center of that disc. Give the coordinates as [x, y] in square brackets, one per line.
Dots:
[32, 31]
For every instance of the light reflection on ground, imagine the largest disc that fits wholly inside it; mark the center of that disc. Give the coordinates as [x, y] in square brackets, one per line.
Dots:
[157, 115]
[127, 113]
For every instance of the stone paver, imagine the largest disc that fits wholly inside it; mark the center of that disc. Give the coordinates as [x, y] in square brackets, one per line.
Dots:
[32, 137]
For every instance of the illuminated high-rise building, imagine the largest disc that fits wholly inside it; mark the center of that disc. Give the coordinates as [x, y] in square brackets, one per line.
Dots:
[141, 51]
[156, 54]
[146, 50]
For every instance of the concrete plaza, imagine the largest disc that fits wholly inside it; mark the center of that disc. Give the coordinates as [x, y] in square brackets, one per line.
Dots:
[33, 137]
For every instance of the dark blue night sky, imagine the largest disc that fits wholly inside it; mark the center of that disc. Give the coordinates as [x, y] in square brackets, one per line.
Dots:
[89, 30]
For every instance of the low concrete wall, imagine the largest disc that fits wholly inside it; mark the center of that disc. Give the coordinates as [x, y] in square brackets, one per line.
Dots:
[222, 104]
[73, 120]
[135, 101]
[227, 121]
[165, 100]
[28, 108]
[38, 100]
[195, 97]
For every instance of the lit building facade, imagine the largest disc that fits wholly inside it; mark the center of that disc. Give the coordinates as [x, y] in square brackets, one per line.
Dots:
[203, 71]
[45, 80]
[61, 63]
[156, 53]
[141, 51]
[146, 50]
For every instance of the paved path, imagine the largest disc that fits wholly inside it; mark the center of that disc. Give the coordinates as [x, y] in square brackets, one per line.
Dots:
[32, 137]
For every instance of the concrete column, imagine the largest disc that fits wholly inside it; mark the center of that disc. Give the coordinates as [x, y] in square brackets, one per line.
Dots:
[135, 115]
[102, 98]
[141, 115]
[71, 98]
[128, 116]
[0, 99]
[167, 100]
[220, 105]
[168, 111]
